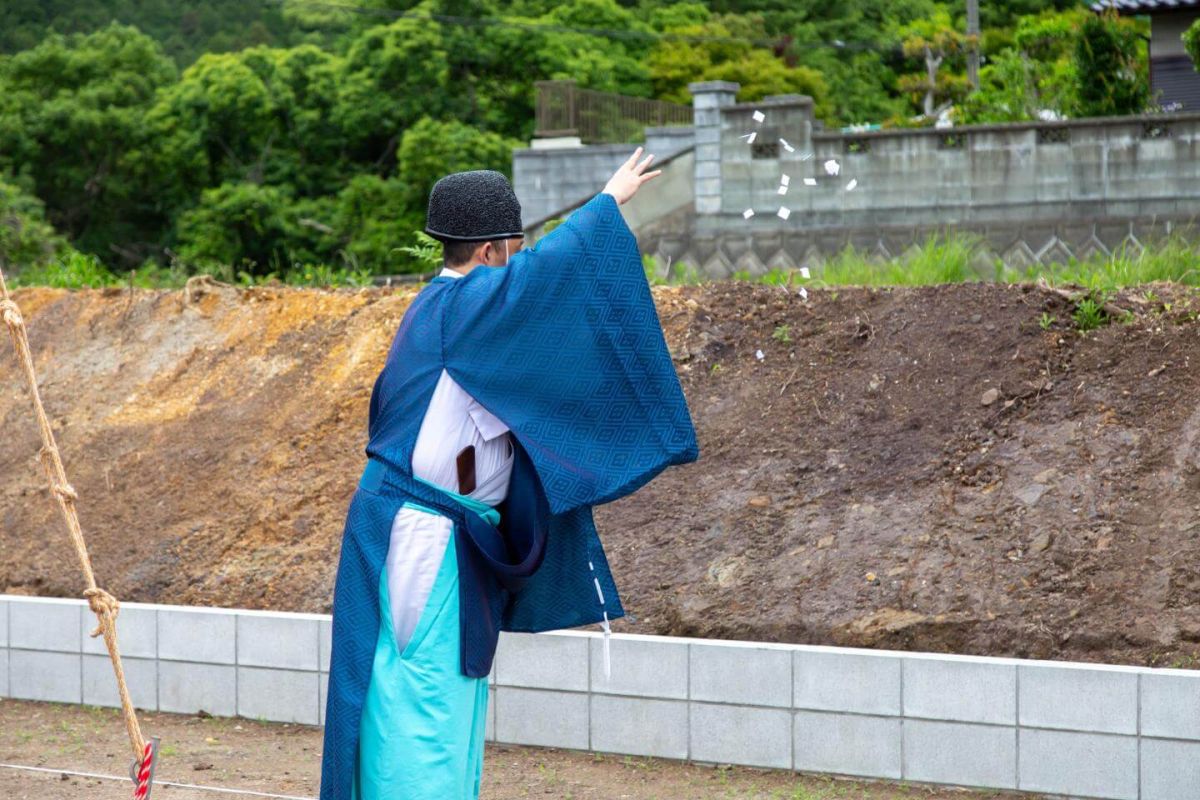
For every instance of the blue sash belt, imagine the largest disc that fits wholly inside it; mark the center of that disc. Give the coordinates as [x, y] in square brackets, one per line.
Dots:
[491, 566]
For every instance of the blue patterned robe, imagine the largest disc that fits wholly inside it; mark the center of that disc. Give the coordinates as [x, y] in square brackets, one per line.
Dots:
[564, 345]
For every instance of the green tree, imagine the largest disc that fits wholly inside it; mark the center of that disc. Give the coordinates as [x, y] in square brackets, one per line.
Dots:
[431, 149]
[723, 49]
[940, 45]
[72, 110]
[362, 226]
[241, 227]
[184, 30]
[396, 73]
[262, 115]
[26, 238]
[1110, 58]
[1191, 43]
[1035, 75]
[616, 64]
[1006, 91]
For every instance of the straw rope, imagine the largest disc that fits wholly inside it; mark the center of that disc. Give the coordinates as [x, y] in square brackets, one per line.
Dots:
[103, 604]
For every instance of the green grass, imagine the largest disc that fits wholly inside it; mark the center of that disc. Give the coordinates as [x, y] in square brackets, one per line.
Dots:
[955, 258]
[952, 258]
[82, 271]
[937, 260]
[1089, 313]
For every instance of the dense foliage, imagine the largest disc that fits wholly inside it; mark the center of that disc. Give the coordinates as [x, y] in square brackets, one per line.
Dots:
[1191, 43]
[298, 138]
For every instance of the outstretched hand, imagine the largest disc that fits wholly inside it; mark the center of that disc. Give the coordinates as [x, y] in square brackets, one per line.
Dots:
[629, 178]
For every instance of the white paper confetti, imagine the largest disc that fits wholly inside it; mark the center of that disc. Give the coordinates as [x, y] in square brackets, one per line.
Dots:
[786, 180]
[784, 212]
[749, 137]
[803, 293]
[832, 167]
[759, 355]
[748, 213]
[806, 156]
[759, 116]
[850, 186]
[787, 146]
[804, 273]
[810, 181]
[783, 189]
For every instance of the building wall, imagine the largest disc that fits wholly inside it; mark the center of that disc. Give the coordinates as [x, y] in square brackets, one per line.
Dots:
[1166, 30]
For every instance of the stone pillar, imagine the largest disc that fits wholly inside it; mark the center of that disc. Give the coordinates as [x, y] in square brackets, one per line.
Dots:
[708, 98]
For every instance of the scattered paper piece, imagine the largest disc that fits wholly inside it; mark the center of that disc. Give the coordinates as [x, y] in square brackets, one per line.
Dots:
[783, 189]
[787, 146]
[750, 137]
[810, 181]
[759, 116]
[785, 179]
[806, 156]
[759, 355]
[850, 186]
[784, 212]
[804, 273]
[803, 293]
[832, 167]
[748, 213]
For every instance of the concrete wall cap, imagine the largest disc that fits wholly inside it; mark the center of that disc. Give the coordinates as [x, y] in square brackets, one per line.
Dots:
[705, 87]
[773, 101]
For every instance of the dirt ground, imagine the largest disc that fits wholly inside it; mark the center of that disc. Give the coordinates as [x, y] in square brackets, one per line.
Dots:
[951, 468]
[285, 759]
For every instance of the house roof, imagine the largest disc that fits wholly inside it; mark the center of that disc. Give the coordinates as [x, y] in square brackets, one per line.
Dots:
[1146, 6]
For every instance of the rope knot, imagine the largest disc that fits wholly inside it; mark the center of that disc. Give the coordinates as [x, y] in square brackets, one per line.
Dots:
[65, 492]
[11, 313]
[104, 606]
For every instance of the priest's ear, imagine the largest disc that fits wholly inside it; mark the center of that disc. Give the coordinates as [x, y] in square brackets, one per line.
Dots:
[490, 254]
[498, 252]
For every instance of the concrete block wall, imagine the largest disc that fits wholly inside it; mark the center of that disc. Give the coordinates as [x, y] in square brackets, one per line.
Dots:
[549, 181]
[1077, 730]
[1034, 192]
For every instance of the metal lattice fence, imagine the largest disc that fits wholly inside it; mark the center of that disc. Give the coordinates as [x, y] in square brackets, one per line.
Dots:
[563, 109]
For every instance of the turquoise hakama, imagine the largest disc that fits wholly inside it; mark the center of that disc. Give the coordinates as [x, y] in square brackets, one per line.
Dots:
[422, 731]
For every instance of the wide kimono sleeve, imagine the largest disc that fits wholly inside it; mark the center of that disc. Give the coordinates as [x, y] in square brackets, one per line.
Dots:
[565, 346]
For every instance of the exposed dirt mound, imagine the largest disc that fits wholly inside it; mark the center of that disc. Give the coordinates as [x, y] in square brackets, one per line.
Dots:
[929, 469]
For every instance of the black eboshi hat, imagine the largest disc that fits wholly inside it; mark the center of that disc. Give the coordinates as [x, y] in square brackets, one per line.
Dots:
[475, 206]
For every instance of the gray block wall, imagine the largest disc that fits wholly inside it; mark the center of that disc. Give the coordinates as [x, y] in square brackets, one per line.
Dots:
[549, 181]
[1035, 193]
[1078, 730]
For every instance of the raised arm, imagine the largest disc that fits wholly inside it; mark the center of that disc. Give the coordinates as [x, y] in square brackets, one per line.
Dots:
[565, 346]
[630, 176]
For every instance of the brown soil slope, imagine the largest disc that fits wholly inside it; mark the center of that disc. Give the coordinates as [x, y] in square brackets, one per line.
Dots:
[854, 487]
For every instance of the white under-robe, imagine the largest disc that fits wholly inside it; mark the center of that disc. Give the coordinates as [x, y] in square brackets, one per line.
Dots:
[418, 540]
